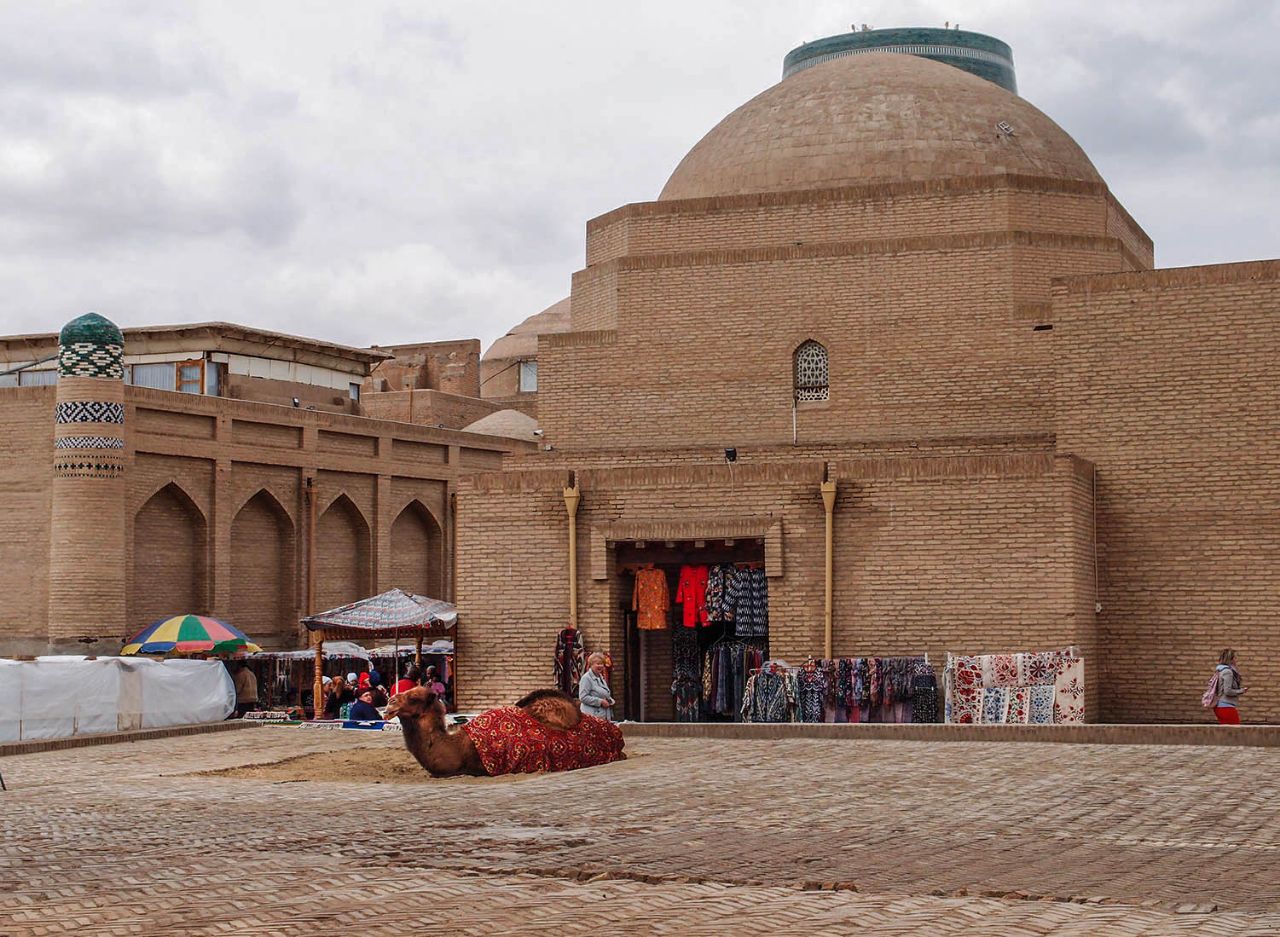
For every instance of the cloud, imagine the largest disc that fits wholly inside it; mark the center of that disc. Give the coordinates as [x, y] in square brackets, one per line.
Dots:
[393, 171]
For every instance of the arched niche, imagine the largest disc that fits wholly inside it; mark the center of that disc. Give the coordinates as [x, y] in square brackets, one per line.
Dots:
[170, 558]
[417, 552]
[263, 581]
[343, 552]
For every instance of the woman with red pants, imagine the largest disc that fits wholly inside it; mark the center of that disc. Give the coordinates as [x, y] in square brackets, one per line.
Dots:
[1230, 688]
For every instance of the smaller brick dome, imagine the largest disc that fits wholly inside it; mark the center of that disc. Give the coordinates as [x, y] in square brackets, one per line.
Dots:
[875, 118]
[91, 328]
[522, 340]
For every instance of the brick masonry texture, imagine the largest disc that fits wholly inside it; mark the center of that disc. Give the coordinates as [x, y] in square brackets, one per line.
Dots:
[1167, 383]
[756, 837]
[1000, 360]
[211, 515]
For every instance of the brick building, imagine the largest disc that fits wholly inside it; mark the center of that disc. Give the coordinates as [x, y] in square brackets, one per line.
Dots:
[908, 303]
[212, 468]
[886, 298]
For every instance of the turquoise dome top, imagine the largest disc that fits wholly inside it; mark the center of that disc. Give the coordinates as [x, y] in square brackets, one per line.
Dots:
[93, 328]
[91, 346]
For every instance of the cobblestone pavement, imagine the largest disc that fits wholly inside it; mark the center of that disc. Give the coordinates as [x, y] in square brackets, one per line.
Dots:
[692, 837]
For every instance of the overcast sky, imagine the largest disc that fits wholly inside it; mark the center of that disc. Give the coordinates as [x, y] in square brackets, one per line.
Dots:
[388, 172]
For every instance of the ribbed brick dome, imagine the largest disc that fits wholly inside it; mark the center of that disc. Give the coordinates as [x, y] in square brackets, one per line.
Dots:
[880, 117]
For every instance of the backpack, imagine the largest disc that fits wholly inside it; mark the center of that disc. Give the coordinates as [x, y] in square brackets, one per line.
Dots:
[1211, 691]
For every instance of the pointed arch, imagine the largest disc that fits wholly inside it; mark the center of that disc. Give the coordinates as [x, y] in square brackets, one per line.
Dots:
[262, 571]
[417, 551]
[170, 558]
[343, 555]
[810, 371]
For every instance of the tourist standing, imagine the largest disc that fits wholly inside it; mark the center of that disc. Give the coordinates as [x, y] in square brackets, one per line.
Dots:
[1230, 689]
[246, 683]
[593, 689]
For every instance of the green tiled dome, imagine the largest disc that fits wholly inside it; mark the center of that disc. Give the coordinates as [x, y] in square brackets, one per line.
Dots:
[91, 327]
[91, 346]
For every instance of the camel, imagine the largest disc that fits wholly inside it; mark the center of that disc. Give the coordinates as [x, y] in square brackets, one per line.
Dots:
[443, 753]
[544, 731]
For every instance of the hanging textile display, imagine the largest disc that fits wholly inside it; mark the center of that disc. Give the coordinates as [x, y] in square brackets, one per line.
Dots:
[851, 689]
[721, 585]
[1032, 688]
[686, 669]
[727, 667]
[650, 599]
[749, 598]
[924, 694]
[691, 595]
[571, 660]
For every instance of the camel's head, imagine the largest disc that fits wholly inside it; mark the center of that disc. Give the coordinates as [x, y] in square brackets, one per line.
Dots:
[415, 703]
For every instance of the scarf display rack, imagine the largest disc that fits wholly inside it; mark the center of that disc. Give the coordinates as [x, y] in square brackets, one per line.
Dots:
[1023, 688]
[849, 689]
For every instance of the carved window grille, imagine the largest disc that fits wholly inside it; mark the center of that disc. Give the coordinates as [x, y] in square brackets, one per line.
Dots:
[811, 372]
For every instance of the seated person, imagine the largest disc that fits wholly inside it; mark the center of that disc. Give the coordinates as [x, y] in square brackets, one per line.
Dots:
[363, 710]
[339, 693]
[408, 681]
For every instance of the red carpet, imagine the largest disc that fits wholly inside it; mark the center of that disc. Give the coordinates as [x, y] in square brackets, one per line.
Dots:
[510, 741]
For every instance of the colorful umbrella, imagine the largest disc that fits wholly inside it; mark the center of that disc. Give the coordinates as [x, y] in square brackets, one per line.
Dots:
[187, 634]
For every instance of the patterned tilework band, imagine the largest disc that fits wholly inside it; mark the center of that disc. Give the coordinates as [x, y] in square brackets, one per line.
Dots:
[91, 359]
[88, 442]
[88, 468]
[89, 411]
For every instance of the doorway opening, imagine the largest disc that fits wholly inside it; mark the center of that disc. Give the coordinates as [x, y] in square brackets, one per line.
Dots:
[689, 659]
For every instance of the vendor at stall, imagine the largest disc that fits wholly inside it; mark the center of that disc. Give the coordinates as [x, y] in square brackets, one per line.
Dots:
[363, 710]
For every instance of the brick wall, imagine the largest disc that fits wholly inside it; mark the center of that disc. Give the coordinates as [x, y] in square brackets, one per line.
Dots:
[1167, 383]
[427, 407]
[26, 425]
[452, 367]
[961, 553]
[213, 516]
[948, 206]
[924, 337]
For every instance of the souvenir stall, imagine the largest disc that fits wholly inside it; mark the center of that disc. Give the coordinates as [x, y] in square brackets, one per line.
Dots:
[1035, 688]
[394, 616]
[392, 660]
[697, 624]
[284, 677]
[848, 689]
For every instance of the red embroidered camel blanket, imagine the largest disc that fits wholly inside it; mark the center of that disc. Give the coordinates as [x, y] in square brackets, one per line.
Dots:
[510, 741]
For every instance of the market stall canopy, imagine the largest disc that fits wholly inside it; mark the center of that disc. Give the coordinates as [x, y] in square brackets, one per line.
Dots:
[189, 634]
[439, 646]
[333, 650]
[391, 614]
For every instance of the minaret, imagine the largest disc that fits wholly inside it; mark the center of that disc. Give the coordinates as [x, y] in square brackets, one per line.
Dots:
[87, 561]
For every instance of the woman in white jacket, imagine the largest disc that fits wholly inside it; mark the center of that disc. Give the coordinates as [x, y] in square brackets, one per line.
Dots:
[593, 689]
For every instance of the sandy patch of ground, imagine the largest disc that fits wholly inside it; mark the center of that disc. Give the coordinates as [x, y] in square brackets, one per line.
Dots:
[381, 765]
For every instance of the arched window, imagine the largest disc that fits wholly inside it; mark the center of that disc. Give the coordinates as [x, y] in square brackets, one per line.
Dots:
[811, 371]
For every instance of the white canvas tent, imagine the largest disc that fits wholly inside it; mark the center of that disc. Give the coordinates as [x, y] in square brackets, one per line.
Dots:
[57, 697]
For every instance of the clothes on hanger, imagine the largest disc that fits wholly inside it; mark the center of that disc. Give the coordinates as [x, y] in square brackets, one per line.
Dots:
[650, 599]
[691, 594]
[749, 597]
[570, 661]
[721, 585]
[686, 670]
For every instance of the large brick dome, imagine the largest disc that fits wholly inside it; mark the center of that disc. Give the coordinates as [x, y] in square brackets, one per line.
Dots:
[880, 117]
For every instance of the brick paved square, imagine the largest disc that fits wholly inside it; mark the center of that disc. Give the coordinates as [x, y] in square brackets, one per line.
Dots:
[692, 837]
